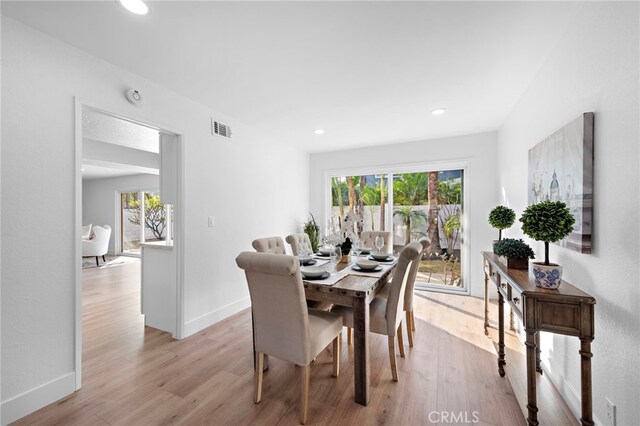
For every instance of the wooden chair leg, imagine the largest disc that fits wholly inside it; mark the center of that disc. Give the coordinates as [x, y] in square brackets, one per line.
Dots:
[409, 328]
[349, 336]
[336, 355]
[413, 321]
[392, 358]
[258, 377]
[400, 341]
[305, 375]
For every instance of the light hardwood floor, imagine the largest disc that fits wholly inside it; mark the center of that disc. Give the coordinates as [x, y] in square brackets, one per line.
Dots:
[140, 376]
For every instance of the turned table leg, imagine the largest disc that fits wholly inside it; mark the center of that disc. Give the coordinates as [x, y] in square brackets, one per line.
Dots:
[501, 361]
[586, 355]
[486, 304]
[532, 406]
[538, 366]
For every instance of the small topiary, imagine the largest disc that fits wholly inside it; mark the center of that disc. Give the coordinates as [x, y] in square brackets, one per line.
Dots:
[501, 217]
[513, 249]
[547, 221]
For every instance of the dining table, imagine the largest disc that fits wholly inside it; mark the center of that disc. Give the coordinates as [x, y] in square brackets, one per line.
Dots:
[356, 289]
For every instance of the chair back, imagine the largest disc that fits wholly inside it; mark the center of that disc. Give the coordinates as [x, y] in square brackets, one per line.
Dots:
[273, 245]
[413, 272]
[101, 239]
[280, 316]
[398, 284]
[298, 240]
[368, 239]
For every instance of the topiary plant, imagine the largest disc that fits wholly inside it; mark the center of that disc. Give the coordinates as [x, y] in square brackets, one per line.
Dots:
[514, 249]
[501, 217]
[547, 221]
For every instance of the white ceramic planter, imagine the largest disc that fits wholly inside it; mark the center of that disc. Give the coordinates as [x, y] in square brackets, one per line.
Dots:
[547, 276]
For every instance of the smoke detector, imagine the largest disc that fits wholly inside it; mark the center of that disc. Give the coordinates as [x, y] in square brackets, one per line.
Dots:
[135, 97]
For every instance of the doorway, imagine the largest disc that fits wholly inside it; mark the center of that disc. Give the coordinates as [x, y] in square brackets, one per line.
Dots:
[118, 182]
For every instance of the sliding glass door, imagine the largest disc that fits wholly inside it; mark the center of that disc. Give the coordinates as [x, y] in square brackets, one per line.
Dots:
[142, 222]
[412, 206]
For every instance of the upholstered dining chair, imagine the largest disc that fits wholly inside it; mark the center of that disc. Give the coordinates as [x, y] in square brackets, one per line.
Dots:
[409, 292]
[385, 313]
[284, 327]
[298, 240]
[368, 239]
[273, 245]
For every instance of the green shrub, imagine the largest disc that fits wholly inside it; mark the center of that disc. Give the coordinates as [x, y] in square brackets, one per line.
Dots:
[501, 217]
[513, 249]
[547, 221]
[312, 229]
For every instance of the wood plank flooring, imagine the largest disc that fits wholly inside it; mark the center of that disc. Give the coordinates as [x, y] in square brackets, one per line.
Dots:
[134, 375]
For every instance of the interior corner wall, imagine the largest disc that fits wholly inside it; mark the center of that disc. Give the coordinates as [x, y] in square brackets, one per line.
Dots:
[99, 201]
[251, 184]
[593, 68]
[481, 182]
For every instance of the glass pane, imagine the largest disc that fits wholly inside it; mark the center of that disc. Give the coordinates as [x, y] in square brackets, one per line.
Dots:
[364, 195]
[155, 223]
[130, 222]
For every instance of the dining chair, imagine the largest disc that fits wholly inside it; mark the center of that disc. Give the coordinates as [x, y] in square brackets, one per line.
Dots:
[409, 291]
[284, 327]
[385, 313]
[368, 239]
[273, 245]
[297, 240]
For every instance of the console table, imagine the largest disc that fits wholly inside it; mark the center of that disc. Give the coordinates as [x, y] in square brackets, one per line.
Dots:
[567, 311]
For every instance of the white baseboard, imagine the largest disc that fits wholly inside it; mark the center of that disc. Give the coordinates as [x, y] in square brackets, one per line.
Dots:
[210, 318]
[568, 393]
[36, 398]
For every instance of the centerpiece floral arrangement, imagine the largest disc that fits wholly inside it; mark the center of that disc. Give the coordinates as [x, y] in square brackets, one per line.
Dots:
[343, 232]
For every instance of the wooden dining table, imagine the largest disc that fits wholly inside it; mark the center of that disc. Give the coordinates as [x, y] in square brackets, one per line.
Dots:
[356, 291]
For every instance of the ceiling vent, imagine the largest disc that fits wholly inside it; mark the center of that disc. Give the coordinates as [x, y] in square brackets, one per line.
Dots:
[220, 129]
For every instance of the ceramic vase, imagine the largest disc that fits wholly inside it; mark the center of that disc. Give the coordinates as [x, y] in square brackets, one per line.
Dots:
[547, 276]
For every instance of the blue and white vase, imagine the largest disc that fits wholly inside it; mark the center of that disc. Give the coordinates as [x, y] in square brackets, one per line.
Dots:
[547, 276]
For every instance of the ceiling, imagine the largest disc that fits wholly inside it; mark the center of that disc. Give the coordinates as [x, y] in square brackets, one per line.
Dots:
[365, 72]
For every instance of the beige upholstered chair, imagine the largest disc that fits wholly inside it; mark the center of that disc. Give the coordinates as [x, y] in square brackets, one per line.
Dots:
[283, 326]
[297, 240]
[273, 245]
[385, 313]
[408, 294]
[368, 239]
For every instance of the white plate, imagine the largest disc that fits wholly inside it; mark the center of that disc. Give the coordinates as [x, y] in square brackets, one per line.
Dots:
[380, 256]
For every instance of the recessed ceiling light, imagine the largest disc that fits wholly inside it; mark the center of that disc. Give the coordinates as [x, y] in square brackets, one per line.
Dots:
[438, 111]
[82, 169]
[135, 6]
[319, 132]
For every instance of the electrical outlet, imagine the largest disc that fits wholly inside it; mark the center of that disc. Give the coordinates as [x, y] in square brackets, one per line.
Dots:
[611, 412]
[212, 221]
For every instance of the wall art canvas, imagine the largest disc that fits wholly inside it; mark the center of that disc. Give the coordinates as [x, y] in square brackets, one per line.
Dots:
[561, 169]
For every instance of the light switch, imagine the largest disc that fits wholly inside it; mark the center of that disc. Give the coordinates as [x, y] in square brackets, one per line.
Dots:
[212, 221]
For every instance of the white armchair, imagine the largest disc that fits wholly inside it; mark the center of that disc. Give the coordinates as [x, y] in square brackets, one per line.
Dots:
[99, 244]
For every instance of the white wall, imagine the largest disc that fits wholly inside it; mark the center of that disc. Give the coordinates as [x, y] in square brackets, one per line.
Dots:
[593, 68]
[99, 206]
[40, 78]
[481, 181]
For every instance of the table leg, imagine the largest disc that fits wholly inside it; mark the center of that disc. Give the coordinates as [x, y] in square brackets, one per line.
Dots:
[586, 355]
[538, 366]
[501, 361]
[532, 405]
[361, 350]
[486, 304]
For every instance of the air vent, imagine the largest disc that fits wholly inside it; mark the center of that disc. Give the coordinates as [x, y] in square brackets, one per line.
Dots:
[218, 128]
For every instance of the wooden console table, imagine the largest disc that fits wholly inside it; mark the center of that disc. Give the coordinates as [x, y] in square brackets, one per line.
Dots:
[567, 311]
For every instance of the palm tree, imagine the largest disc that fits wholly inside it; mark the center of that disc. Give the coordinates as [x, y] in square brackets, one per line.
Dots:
[371, 198]
[410, 218]
[383, 192]
[433, 229]
[411, 189]
[337, 188]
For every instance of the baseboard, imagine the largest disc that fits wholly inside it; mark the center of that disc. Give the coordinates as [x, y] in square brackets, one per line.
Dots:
[36, 398]
[568, 393]
[210, 318]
